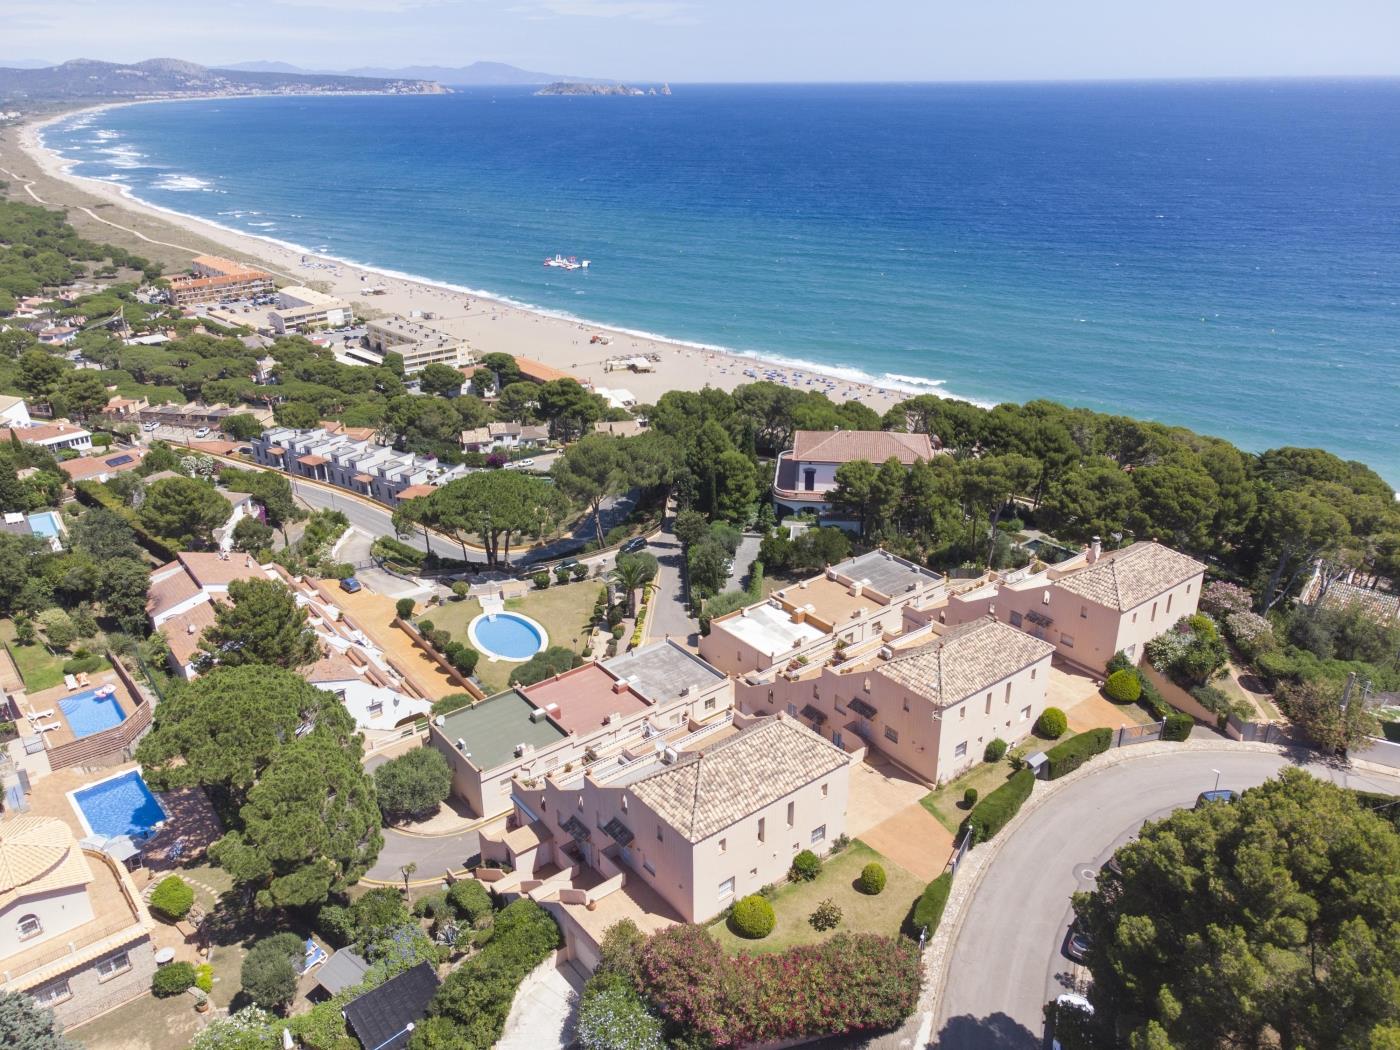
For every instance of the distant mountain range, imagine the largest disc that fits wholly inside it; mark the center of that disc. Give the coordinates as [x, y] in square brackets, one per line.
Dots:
[168, 77]
[478, 74]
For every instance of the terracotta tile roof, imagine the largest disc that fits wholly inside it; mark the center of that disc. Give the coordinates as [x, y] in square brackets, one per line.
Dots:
[170, 585]
[414, 491]
[876, 446]
[538, 371]
[113, 463]
[966, 660]
[38, 854]
[1379, 605]
[335, 666]
[41, 432]
[182, 642]
[708, 791]
[1125, 579]
[210, 569]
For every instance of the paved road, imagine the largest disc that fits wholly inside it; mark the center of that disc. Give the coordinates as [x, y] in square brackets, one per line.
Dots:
[743, 561]
[434, 856]
[668, 609]
[1006, 962]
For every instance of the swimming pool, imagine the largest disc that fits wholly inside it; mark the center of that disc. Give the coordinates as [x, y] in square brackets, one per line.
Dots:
[119, 805]
[507, 636]
[44, 524]
[92, 711]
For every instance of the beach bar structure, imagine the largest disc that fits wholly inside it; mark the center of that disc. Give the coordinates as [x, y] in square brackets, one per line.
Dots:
[216, 278]
[371, 469]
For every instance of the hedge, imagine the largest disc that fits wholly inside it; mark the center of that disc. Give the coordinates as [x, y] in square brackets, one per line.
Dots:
[992, 814]
[928, 909]
[95, 494]
[1068, 756]
[173, 898]
[172, 979]
[1178, 727]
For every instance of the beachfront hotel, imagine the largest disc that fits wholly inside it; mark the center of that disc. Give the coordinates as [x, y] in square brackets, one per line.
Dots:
[418, 344]
[302, 309]
[215, 278]
[806, 473]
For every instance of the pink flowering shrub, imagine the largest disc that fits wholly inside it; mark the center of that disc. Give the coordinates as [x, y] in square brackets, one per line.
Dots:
[1221, 598]
[849, 983]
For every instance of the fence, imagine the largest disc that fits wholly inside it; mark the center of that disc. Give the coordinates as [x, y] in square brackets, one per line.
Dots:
[1138, 734]
[1256, 732]
[959, 852]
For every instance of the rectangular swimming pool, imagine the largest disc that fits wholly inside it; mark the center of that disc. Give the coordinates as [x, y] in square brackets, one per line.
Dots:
[92, 711]
[119, 805]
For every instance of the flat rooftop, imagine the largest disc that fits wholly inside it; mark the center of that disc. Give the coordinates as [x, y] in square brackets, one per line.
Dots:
[829, 601]
[585, 697]
[663, 671]
[770, 629]
[885, 573]
[494, 727]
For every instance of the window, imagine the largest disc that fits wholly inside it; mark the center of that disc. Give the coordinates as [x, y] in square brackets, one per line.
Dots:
[52, 992]
[1134, 617]
[1188, 588]
[792, 710]
[988, 709]
[1067, 640]
[960, 750]
[962, 711]
[836, 701]
[724, 845]
[1154, 612]
[819, 833]
[1083, 612]
[906, 703]
[762, 829]
[792, 813]
[1015, 618]
[1045, 598]
[1032, 675]
[892, 734]
[29, 926]
[646, 865]
[658, 833]
[1169, 603]
[624, 803]
[710, 704]
[1025, 713]
[113, 964]
[825, 788]
[726, 888]
[1007, 698]
[809, 479]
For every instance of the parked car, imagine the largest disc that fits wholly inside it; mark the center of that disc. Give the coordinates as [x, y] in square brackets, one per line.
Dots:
[1077, 944]
[525, 462]
[1218, 795]
[150, 427]
[350, 585]
[632, 546]
[202, 432]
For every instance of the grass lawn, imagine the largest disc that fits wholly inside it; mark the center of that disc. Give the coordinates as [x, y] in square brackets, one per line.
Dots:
[945, 803]
[1230, 685]
[794, 902]
[563, 611]
[40, 668]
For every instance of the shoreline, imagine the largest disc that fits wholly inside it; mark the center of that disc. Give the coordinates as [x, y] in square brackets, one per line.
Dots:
[490, 323]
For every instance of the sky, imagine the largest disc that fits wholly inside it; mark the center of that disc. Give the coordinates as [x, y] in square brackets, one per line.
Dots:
[737, 40]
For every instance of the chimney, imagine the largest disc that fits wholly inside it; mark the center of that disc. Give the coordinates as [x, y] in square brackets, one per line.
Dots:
[857, 588]
[1095, 549]
[619, 687]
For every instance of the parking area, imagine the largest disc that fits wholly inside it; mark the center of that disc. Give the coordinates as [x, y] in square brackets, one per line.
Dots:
[1077, 695]
[884, 813]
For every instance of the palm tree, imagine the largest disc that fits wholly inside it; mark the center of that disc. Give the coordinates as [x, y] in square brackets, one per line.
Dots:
[633, 572]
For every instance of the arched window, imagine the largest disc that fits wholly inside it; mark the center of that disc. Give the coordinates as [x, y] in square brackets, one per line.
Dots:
[30, 926]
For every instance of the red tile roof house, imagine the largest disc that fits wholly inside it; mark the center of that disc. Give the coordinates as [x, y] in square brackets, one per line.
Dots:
[806, 473]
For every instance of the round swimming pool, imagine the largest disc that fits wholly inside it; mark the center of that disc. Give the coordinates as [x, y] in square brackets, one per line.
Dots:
[507, 636]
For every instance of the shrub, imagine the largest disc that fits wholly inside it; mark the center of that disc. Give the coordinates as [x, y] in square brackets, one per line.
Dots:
[1051, 724]
[612, 1016]
[562, 573]
[969, 798]
[172, 979]
[546, 664]
[1178, 727]
[83, 664]
[753, 917]
[540, 580]
[826, 916]
[469, 899]
[1152, 699]
[1123, 687]
[992, 814]
[928, 909]
[806, 866]
[433, 906]
[1071, 754]
[996, 750]
[872, 879]
[579, 571]
[172, 898]
[204, 977]
[412, 785]
[268, 977]
[425, 627]
[403, 608]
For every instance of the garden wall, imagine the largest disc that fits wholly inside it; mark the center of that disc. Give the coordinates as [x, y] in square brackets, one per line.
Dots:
[1382, 752]
[1178, 697]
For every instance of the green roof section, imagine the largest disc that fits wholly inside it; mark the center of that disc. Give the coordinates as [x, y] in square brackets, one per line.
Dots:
[494, 727]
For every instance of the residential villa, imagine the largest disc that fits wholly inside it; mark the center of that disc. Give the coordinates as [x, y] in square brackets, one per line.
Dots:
[74, 932]
[1379, 605]
[806, 473]
[504, 437]
[418, 344]
[198, 414]
[1094, 604]
[861, 600]
[600, 713]
[215, 278]
[57, 436]
[103, 468]
[13, 411]
[700, 823]
[932, 699]
[300, 309]
[366, 467]
[241, 505]
[379, 692]
[46, 525]
[621, 427]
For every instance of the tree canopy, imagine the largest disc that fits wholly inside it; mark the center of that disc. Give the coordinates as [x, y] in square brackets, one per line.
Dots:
[261, 624]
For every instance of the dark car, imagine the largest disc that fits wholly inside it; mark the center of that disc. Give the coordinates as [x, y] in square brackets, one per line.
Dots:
[632, 546]
[350, 585]
[1218, 795]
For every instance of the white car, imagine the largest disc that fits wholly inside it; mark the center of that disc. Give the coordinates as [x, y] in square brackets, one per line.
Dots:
[202, 432]
[150, 427]
[525, 463]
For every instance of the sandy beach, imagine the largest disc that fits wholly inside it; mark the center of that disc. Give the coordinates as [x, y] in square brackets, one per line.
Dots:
[490, 325]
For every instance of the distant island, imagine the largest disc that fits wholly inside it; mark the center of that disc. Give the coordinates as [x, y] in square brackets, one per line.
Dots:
[569, 87]
[477, 74]
[172, 78]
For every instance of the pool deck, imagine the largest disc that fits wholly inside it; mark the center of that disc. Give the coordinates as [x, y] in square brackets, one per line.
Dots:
[49, 700]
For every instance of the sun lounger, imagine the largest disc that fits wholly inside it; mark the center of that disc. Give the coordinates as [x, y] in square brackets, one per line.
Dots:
[49, 728]
[35, 716]
[83, 679]
[70, 682]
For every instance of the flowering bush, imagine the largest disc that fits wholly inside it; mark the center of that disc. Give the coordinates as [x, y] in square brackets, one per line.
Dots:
[849, 983]
[612, 1016]
[1191, 653]
[1221, 598]
[1251, 633]
[248, 1029]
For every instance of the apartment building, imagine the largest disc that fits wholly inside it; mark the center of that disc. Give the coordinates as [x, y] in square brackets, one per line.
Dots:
[702, 823]
[606, 712]
[215, 278]
[300, 309]
[858, 601]
[418, 344]
[74, 932]
[806, 473]
[366, 467]
[932, 700]
[1094, 604]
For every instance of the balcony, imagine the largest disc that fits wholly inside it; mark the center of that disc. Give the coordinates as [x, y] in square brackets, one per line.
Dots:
[787, 482]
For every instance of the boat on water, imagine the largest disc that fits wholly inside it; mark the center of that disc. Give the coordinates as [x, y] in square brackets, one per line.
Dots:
[571, 263]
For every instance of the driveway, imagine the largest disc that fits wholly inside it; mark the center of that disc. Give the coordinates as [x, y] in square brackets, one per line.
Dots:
[434, 856]
[994, 998]
[743, 561]
[884, 813]
[669, 616]
[542, 1015]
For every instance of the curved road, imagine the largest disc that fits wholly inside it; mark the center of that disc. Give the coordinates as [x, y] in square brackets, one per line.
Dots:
[1006, 959]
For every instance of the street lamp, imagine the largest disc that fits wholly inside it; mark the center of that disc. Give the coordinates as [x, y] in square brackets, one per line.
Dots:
[1217, 779]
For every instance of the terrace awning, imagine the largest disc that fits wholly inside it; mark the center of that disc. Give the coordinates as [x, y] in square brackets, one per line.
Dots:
[312, 461]
[862, 708]
[813, 714]
[577, 829]
[618, 831]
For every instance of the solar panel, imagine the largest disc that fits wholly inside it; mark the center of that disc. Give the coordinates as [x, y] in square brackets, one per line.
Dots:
[118, 461]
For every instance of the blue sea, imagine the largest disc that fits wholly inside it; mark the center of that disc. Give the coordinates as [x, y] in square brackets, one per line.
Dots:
[1224, 256]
